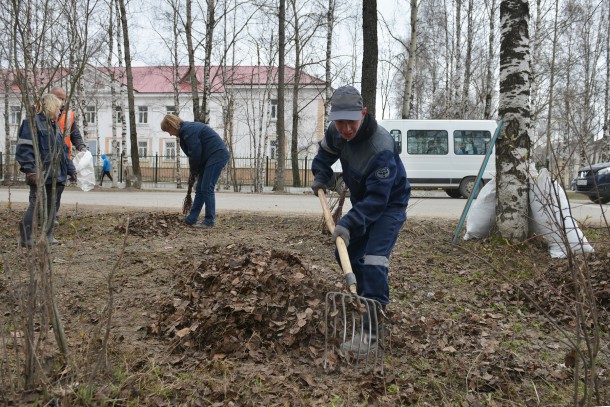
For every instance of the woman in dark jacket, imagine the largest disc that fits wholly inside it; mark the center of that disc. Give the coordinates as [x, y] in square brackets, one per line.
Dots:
[207, 155]
[52, 171]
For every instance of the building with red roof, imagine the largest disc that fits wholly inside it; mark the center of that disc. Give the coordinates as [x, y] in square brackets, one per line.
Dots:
[242, 108]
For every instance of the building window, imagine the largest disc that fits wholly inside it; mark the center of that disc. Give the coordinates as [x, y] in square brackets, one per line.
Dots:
[272, 149]
[118, 115]
[142, 114]
[89, 116]
[15, 115]
[170, 109]
[273, 109]
[169, 150]
[143, 148]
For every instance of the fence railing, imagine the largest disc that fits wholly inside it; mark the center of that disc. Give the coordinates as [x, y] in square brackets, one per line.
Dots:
[158, 169]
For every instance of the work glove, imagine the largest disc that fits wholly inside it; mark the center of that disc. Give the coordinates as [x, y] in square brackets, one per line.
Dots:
[317, 185]
[73, 177]
[343, 233]
[30, 178]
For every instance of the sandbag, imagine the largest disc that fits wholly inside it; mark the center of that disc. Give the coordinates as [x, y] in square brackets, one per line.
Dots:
[482, 214]
[83, 161]
[552, 219]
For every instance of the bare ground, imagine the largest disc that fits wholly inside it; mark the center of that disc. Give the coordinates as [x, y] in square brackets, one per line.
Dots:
[234, 315]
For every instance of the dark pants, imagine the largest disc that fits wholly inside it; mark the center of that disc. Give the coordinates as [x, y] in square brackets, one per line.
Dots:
[103, 175]
[47, 223]
[370, 255]
[204, 194]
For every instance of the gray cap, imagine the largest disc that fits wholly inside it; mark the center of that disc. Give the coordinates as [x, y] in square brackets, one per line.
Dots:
[346, 104]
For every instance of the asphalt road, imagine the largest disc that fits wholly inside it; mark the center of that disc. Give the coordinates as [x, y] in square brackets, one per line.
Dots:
[434, 204]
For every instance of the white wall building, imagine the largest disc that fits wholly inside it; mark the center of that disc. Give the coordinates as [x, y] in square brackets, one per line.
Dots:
[251, 89]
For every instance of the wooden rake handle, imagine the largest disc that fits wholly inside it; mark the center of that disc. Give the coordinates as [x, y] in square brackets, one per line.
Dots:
[350, 278]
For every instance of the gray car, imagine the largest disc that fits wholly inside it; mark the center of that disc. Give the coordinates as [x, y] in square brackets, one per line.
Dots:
[594, 181]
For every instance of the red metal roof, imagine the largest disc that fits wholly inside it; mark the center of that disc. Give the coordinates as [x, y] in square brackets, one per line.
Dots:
[159, 79]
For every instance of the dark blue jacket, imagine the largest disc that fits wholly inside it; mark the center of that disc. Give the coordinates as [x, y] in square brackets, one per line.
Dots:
[53, 150]
[202, 145]
[372, 170]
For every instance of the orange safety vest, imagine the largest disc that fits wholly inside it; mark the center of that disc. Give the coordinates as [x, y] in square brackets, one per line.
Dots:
[62, 125]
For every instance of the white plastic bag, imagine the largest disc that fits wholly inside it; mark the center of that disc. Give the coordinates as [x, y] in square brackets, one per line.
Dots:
[552, 218]
[83, 161]
[482, 214]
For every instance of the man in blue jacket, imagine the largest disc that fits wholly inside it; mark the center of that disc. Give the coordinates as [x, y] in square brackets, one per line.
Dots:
[379, 193]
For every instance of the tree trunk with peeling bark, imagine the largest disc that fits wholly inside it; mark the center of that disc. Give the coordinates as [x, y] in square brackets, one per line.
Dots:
[513, 146]
[408, 89]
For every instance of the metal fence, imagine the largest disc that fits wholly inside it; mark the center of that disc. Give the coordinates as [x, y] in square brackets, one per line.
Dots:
[158, 169]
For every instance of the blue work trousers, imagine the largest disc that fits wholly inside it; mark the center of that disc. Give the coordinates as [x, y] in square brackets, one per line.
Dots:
[370, 255]
[204, 194]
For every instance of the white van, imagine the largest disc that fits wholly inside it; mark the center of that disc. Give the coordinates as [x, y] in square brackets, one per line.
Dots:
[445, 154]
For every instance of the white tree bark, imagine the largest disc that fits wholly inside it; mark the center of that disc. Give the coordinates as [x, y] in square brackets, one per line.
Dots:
[514, 144]
[412, 57]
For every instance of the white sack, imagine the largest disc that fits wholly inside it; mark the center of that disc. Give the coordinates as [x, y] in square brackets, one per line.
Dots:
[83, 161]
[482, 213]
[551, 218]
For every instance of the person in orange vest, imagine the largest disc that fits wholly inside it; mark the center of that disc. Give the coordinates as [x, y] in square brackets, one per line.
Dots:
[66, 121]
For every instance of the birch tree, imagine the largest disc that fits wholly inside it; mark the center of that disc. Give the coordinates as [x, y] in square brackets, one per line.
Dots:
[411, 59]
[514, 144]
[328, 91]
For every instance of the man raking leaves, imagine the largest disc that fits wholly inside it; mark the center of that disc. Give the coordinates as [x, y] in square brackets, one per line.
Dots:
[380, 191]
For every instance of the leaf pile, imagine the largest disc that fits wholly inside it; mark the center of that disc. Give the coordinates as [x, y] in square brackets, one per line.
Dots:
[153, 225]
[247, 303]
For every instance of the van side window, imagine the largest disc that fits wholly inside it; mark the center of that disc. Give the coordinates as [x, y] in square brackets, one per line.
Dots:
[397, 136]
[430, 142]
[471, 142]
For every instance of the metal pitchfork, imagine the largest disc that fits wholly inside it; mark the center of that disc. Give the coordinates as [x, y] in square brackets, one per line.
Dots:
[349, 316]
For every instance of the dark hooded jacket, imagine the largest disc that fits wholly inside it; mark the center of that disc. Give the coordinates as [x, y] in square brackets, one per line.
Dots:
[372, 170]
[202, 145]
[53, 150]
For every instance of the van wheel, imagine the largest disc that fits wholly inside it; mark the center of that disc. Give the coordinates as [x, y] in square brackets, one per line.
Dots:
[599, 200]
[466, 187]
[453, 193]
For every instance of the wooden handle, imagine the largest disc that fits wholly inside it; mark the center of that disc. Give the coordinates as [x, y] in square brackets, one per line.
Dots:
[341, 247]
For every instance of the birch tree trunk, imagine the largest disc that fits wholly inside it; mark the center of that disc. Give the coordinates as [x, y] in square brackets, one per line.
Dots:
[549, 117]
[116, 151]
[412, 57]
[369, 55]
[207, 87]
[468, 62]
[456, 108]
[330, 24]
[513, 147]
[281, 132]
[188, 28]
[124, 159]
